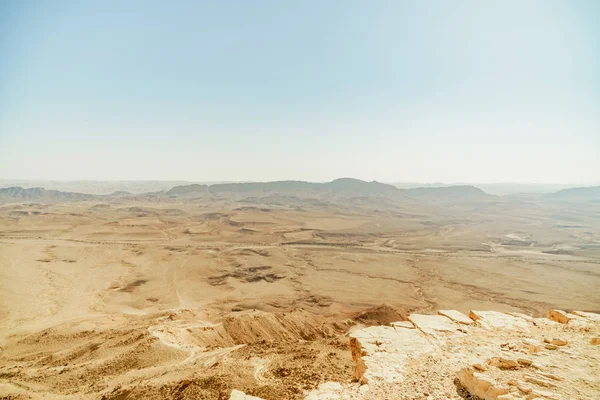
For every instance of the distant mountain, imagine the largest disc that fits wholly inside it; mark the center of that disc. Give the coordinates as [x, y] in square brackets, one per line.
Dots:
[358, 186]
[120, 193]
[348, 186]
[264, 187]
[466, 192]
[94, 187]
[187, 190]
[578, 193]
[343, 188]
[41, 194]
[340, 187]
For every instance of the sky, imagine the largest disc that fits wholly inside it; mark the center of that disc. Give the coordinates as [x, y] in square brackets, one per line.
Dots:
[413, 91]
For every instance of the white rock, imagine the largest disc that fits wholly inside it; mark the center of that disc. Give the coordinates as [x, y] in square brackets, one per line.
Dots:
[456, 316]
[403, 324]
[498, 320]
[588, 315]
[326, 391]
[433, 324]
[237, 395]
[381, 352]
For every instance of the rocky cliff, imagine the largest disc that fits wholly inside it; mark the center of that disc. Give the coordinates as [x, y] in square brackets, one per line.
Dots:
[486, 355]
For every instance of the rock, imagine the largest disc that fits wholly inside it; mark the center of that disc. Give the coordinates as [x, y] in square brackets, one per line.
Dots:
[526, 317]
[556, 342]
[456, 316]
[481, 385]
[524, 387]
[498, 320]
[503, 363]
[496, 391]
[480, 367]
[403, 324]
[508, 396]
[551, 376]
[536, 393]
[524, 361]
[587, 315]
[559, 342]
[237, 395]
[559, 316]
[400, 362]
[596, 341]
[539, 380]
[326, 391]
[385, 361]
[432, 324]
[532, 346]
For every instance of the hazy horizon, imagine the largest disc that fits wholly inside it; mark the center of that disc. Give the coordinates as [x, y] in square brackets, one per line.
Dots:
[145, 186]
[396, 91]
[304, 180]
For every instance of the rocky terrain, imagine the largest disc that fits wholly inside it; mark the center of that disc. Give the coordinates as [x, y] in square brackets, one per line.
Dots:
[191, 294]
[487, 355]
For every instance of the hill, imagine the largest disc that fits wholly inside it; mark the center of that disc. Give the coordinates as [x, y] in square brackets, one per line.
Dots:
[338, 186]
[41, 194]
[264, 187]
[186, 190]
[578, 193]
[358, 186]
[466, 192]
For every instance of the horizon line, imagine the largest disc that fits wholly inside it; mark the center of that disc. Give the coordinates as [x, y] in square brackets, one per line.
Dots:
[300, 180]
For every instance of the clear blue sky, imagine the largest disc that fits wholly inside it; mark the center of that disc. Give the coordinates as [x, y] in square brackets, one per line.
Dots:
[471, 91]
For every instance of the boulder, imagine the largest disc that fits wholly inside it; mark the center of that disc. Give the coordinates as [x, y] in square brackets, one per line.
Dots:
[481, 385]
[559, 316]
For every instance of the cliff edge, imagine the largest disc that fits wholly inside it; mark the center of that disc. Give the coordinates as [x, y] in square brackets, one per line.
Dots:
[486, 355]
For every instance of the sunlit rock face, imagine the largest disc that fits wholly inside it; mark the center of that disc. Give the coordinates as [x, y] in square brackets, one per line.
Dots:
[488, 355]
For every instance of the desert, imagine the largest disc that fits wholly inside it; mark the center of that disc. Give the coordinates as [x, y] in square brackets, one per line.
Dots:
[200, 290]
[299, 200]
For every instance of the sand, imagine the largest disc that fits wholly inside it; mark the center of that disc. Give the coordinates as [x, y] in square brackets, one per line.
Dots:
[191, 298]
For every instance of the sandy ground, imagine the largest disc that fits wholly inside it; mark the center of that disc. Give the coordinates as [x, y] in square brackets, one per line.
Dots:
[191, 298]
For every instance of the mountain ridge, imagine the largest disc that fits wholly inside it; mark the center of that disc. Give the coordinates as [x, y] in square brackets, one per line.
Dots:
[341, 187]
[577, 193]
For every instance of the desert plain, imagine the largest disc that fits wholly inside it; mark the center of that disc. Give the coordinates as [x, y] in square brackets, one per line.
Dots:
[193, 292]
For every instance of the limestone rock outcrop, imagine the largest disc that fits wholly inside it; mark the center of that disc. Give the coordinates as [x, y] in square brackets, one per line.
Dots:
[489, 354]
